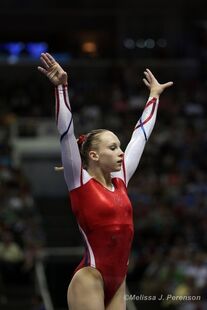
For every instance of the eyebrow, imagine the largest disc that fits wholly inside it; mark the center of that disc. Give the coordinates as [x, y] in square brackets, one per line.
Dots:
[115, 143]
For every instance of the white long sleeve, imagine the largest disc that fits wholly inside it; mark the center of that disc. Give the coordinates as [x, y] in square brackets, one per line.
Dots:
[141, 134]
[74, 174]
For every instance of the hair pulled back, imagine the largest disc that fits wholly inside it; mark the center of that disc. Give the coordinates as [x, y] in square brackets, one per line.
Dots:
[87, 142]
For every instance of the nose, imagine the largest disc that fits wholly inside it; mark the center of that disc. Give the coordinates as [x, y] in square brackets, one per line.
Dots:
[121, 154]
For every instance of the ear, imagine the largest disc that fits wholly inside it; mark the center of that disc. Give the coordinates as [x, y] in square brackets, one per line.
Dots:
[94, 155]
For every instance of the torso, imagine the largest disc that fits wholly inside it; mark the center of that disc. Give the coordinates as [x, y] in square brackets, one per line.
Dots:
[96, 206]
[105, 221]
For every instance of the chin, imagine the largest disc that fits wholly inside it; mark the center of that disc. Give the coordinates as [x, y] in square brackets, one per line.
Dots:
[116, 169]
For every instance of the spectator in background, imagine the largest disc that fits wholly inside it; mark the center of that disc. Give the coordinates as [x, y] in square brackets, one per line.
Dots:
[11, 258]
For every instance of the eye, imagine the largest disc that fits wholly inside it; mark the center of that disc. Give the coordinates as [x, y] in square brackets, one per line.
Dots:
[113, 147]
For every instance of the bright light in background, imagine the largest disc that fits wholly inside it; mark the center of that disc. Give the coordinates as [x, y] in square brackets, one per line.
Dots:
[36, 48]
[89, 47]
[16, 51]
[14, 48]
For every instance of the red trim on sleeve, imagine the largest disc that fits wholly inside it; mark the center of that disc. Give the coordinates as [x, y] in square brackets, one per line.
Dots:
[124, 170]
[153, 102]
[65, 97]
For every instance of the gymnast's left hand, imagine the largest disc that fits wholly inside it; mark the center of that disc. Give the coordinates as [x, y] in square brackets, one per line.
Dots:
[154, 86]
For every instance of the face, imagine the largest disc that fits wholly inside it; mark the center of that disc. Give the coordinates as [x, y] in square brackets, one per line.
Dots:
[109, 154]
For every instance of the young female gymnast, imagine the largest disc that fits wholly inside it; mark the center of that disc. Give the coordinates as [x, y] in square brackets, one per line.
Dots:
[97, 173]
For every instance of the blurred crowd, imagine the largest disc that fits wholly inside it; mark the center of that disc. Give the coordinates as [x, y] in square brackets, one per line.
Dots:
[168, 192]
[21, 233]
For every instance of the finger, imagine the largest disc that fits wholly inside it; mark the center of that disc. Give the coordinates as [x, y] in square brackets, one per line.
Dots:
[149, 72]
[151, 75]
[168, 84]
[52, 60]
[48, 59]
[148, 75]
[44, 62]
[44, 71]
[58, 168]
[146, 82]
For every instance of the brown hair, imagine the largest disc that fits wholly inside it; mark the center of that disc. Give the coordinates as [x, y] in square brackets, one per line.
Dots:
[90, 141]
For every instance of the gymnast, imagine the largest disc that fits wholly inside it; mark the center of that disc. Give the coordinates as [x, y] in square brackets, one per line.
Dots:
[97, 173]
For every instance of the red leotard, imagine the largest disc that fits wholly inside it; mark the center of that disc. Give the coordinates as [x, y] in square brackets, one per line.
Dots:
[105, 220]
[104, 216]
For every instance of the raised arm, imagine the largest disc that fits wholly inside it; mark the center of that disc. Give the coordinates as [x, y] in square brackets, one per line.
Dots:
[71, 159]
[143, 127]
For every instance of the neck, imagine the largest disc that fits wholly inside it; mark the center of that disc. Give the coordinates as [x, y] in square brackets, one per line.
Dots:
[101, 176]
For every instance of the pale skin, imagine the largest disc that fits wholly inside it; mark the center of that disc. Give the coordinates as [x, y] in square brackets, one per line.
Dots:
[86, 289]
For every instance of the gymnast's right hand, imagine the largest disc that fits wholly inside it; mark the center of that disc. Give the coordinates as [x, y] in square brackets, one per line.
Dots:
[53, 70]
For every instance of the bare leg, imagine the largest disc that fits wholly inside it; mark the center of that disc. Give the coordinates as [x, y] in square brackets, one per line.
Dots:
[86, 290]
[118, 301]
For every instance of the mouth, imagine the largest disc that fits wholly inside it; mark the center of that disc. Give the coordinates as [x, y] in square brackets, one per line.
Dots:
[119, 161]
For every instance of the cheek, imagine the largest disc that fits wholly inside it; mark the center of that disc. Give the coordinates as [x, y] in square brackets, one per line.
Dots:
[107, 157]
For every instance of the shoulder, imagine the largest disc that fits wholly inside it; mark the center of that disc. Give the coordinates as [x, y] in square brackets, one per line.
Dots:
[84, 187]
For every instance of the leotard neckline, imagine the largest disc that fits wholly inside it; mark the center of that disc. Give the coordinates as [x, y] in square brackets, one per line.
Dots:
[110, 190]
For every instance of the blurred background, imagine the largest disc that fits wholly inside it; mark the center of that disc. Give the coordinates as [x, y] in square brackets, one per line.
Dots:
[105, 47]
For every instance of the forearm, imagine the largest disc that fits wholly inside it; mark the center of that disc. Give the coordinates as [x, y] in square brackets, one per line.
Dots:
[146, 122]
[140, 136]
[69, 149]
[63, 113]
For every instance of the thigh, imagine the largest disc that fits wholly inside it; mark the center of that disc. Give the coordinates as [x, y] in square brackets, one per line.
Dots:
[118, 301]
[86, 290]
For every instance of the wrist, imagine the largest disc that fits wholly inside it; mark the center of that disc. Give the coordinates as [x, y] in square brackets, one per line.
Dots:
[61, 85]
[154, 94]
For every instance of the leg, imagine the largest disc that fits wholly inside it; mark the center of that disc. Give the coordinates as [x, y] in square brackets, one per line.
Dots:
[118, 301]
[86, 290]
